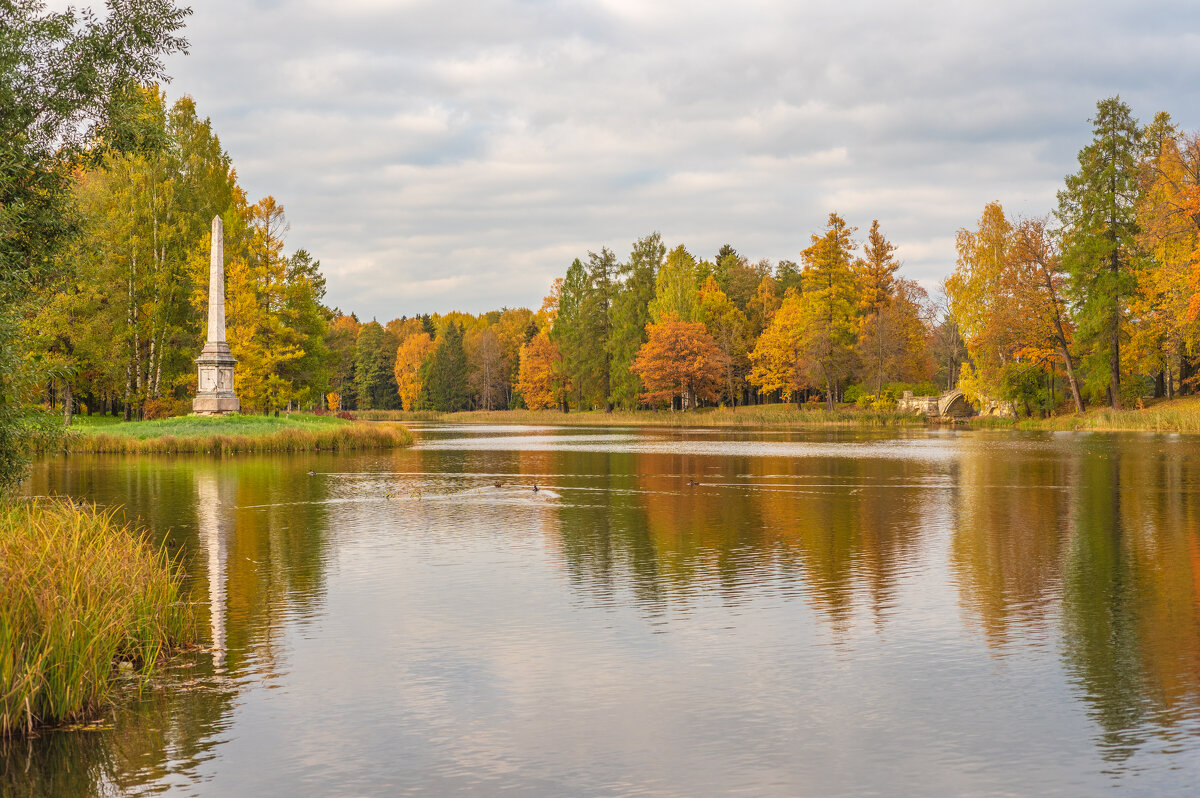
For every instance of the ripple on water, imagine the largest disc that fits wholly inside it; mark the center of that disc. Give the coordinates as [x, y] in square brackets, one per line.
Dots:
[673, 613]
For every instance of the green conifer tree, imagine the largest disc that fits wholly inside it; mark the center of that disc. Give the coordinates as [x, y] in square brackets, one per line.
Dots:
[677, 290]
[368, 364]
[631, 314]
[570, 327]
[445, 373]
[1098, 212]
[602, 269]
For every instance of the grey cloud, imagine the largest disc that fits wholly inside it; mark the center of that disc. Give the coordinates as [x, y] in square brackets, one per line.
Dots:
[442, 155]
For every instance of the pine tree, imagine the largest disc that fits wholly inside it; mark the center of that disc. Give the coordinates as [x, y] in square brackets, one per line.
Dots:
[569, 332]
[737, 278]
[305, 288]
[631, 314]
[787, 278]
[878, 269]
[1098, 210]
[387, 392]
[676, 291]
[445, 373]
[341, 343]
[597, 321]
[829, 303]
[368, 364]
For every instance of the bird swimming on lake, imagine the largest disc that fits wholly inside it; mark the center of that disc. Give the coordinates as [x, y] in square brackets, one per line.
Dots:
[535, 487]
[312, 473]
[498, 484]
[692, 482]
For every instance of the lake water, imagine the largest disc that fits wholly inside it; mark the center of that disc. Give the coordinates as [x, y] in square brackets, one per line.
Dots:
[825, 614]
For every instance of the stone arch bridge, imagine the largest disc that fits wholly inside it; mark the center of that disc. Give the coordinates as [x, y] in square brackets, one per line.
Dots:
[952, 404]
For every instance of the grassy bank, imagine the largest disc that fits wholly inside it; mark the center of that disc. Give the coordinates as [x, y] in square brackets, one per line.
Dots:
[80, 593]
[1175, 415]
[231, 434]
[776, 415]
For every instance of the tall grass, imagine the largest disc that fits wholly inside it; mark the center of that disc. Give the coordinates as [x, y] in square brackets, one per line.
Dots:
[79, 592]
[773, 415]
[1176, 415]
[344, 436]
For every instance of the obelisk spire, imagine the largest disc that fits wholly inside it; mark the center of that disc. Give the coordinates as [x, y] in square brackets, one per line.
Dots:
[214, 379]
[216, 284]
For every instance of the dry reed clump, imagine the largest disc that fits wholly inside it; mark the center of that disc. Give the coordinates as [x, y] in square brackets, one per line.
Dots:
[79, 593]
[343, 437]
[1180, 415]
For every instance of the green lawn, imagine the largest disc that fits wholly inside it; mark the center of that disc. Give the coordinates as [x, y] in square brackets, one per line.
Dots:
[298, 432]
[189, 426]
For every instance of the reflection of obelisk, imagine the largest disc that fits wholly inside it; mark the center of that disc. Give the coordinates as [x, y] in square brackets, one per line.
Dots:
[214, 393]
[211, 511]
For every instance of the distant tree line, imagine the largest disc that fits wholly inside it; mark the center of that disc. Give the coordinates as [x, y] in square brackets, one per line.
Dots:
[1094, 304]
[106, 200]
[665, 329]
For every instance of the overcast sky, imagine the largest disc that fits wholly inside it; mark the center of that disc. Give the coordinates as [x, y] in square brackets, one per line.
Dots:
[449, 155]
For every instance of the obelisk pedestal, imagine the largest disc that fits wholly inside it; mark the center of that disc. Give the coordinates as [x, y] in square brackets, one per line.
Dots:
[214, 393]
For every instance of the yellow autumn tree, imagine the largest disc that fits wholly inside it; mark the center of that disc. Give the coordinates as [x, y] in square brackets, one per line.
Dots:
[259, 332]
[1165, 331]
[773, 361]
[410, 356]
[728, 326]
[830, 302]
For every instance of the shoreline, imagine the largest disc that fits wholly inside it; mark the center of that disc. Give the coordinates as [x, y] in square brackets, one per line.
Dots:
[1180, 415]
[747, 417]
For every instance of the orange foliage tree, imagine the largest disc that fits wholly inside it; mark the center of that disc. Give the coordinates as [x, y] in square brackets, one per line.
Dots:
[680, 358]
[540, 380]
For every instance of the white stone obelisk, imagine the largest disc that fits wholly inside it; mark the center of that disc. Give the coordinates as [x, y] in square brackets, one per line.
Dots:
[214, 391]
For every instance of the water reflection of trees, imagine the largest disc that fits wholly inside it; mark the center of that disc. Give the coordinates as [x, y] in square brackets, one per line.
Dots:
[839, 529]
[252, 539]
[1104, 533]
[1091, 541]
[1131, 607]
[1011, 520]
